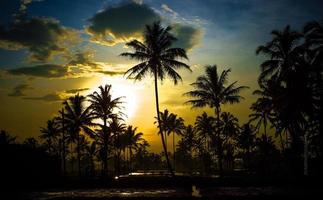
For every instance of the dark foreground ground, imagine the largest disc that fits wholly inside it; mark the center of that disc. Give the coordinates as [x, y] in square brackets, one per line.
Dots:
[162, 187]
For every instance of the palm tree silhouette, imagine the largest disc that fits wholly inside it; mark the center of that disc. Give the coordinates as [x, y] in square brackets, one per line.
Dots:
[171, 124]
[229, 131]
[49, 134]
[6, 138]
[159, 59]
[211, 91]
[133, 140]
[313, 32]
[205, 126]
[78, 117]
[282, 50]
[117, 128]
[104, 107]
[189, 139]
[246, 140]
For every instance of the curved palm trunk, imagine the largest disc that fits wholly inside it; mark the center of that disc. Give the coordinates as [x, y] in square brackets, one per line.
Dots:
[160, 128]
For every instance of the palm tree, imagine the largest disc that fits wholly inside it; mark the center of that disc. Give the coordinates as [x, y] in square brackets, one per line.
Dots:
[171, 124]
[6, 138]
[314, 40]
[282, 50]
[78, 117]
[133, 139]
[205, 126]
[157, 57]
[246, 140]
[91, 151]
[189, 139]
[117, 127]
[229, 125]
[49, 134]
[211, 91]
[104, 107]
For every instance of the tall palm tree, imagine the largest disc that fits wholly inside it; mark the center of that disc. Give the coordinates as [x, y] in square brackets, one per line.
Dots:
[49, 134]
[104, 107]
[314, 40]
[78, 117]
[211, 90]
[157, 57]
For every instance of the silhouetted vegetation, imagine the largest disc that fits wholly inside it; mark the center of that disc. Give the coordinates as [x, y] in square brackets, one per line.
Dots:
[283, 137]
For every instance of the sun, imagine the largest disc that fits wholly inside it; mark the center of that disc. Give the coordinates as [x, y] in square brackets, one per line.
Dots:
[120, 88]
[129, 99]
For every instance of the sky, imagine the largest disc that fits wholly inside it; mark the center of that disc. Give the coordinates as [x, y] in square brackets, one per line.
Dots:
[53, 49]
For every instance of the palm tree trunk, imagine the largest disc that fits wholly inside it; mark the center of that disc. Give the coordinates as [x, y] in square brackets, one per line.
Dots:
[220, 143]
[63, 143]
[78, 154]
[160, 127]
[130, 158]
[305, 154]
[174, 151]
[105, 148]
[282, 141]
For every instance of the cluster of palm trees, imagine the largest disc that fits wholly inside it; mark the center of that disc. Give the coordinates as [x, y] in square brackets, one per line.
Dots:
[92, 127]
[290, 92]
[288, 107]
[289, 99]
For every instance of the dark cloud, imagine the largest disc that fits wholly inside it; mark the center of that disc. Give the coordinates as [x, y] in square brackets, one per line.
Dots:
[73, 91]
[187, 36]
[19, 90]
[120, 23]
[48, 97]
[84, 59]
[42, 37]
[127, 21]
[45, 71]
[111, 73]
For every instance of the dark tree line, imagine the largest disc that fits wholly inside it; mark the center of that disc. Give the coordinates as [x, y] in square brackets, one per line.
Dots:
[282, 137]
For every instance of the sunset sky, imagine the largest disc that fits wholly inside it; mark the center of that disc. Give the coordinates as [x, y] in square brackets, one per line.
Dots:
[52, 49]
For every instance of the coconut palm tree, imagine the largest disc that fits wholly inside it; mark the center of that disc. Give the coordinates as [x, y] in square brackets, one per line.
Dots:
[49, 134]
[171, 124]
[313, 32]
[205, 127]
[104, 107]
[117, 128]
[229, 125]
[246, 140]
[134, 140]
[157, 57]
[78, 118]
[212, 90]
[282, 50]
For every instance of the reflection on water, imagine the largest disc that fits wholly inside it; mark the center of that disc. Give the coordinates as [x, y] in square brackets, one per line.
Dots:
[195, 191]
[108, 193]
